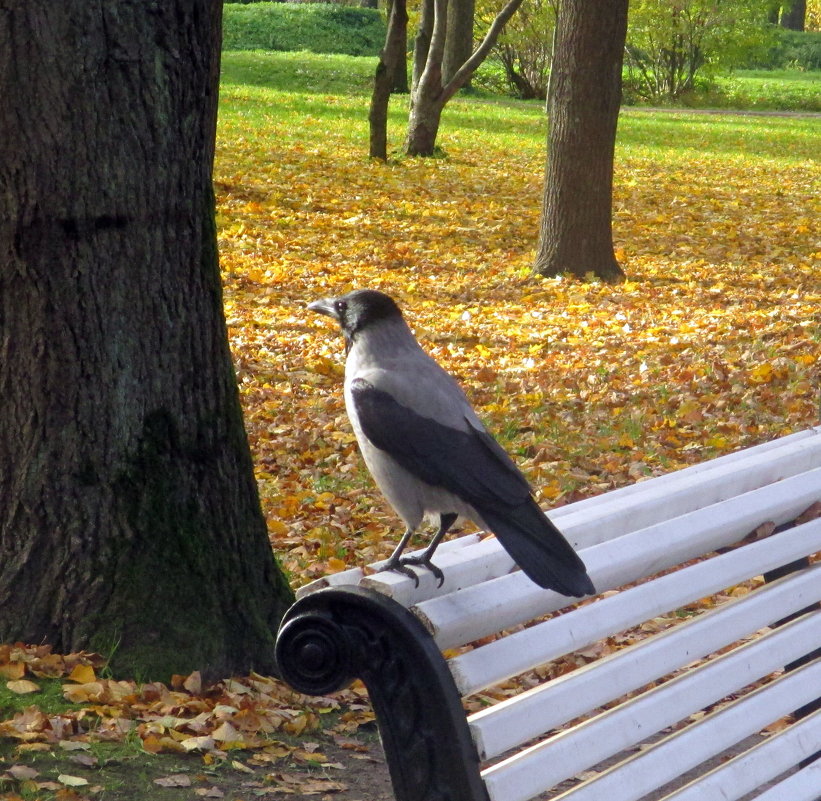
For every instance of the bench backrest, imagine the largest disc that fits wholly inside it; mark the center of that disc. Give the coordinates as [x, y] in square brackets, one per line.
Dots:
[684, 693]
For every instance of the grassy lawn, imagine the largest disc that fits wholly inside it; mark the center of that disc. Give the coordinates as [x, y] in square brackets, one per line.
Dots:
[762, 90]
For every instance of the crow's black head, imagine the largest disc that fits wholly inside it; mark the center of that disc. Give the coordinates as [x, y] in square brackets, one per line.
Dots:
[357, 310]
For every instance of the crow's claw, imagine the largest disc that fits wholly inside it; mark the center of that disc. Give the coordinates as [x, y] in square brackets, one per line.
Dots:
[422, 561]
[397, 566]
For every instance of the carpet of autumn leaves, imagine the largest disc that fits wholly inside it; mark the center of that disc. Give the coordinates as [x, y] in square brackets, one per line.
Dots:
[713, 343]
[256, 718]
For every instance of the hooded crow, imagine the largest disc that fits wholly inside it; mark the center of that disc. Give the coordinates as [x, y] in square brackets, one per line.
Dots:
[428, 451]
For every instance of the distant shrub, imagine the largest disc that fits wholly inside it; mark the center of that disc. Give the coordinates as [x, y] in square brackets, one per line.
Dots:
[316, 27]
[789, 50]
[672, 45]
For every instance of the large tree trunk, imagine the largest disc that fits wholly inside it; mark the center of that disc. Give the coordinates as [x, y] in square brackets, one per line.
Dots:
[384, 81]
[130, 518]
[583, 108]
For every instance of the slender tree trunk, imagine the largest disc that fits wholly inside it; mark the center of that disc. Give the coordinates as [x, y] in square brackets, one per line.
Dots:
[459, 44]
[429, 92]
[401, 85]
[130, 518]
[421, 43]
[394, 50]
[583, 109]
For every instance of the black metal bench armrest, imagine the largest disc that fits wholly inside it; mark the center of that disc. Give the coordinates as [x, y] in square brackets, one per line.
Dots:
[333, 636]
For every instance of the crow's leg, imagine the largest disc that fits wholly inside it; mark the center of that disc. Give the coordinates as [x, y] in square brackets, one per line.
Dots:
[396, 564]
[445, 522]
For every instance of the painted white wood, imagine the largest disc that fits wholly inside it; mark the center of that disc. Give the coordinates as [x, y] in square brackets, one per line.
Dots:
[577, 628]
[484, 561]
[390, 583]
[515, 721]
[658, 501]
[690, 747]
[736, 457]
[802, 786]
[546, 764]
[502, 603]
[343, 578]
[754, 768]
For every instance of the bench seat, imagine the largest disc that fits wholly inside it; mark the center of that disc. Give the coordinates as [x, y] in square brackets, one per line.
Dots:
[702, 680]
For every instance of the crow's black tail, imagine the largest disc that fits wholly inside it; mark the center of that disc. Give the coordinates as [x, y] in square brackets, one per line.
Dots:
[540, 549]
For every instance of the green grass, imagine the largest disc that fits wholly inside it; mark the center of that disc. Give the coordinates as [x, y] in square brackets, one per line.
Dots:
[318, 27]
[49, 699]
[297, 73]
[323, 99]
[762, 90]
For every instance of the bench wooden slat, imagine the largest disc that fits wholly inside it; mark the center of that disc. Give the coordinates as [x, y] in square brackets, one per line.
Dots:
[686, 749]
[802, 786]
[355, 575]
[517, 720]
[476, 612]
[542, 642]
[657, 500]
[673, 477]
[546, 764]
[757, 766]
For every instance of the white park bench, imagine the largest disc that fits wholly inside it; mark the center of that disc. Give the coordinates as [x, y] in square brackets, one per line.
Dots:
[722, 704]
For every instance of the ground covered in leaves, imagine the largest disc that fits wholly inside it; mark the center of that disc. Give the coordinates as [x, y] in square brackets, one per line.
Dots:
[69, 733]
[713, 343]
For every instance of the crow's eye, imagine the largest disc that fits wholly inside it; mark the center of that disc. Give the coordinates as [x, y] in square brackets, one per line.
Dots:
[340, 307]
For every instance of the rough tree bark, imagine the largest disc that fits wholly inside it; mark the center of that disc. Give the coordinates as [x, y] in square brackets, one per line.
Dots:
[429, 92]
[583, 108]
[130, 518]
[384, 81]
[421, 42]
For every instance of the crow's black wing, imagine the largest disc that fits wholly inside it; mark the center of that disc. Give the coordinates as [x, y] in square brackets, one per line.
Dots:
[473, 466]
[468, 463]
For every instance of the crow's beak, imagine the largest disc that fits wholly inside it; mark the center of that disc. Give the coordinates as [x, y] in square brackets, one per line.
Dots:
[325, 306]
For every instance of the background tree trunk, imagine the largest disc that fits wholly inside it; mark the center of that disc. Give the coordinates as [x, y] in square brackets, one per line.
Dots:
[384, 81]
[130, 518]
[459, 43]
[421, 43]
[429, 92]
[583, 108]
[793, 15]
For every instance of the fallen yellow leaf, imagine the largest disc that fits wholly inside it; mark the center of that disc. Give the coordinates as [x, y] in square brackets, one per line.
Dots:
[72, 781]
[82, 674]
[13, 670]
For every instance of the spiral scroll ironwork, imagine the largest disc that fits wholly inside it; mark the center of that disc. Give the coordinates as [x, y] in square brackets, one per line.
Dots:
[332, 636]
[314, 654]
